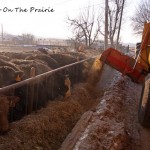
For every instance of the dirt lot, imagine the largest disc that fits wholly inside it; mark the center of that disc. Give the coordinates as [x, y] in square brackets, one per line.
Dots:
[98, 118]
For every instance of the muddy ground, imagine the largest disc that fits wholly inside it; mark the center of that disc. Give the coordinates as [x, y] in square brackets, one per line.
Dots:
[93, 118]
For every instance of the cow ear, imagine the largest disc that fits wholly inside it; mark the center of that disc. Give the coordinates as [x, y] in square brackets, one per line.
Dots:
[19, 75]
[18, 78]
[13, 100]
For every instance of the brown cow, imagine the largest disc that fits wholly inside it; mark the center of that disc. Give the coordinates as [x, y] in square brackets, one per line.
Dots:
[5, 103]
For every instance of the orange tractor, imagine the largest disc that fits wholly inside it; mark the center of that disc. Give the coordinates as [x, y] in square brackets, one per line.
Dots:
[137, 69]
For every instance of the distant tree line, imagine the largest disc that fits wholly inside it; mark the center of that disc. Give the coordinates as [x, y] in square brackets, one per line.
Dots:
[24, 39]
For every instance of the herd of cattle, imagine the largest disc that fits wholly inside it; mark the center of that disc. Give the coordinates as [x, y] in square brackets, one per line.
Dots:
[16, 67]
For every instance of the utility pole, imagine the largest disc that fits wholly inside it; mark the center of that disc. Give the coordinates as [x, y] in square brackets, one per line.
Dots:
[122, 7]
[106, 24]
[2, 33]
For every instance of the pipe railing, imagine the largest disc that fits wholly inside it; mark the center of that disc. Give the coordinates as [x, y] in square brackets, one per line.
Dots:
[41, 76]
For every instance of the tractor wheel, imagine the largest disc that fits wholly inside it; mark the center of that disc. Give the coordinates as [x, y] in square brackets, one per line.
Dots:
[144, 107]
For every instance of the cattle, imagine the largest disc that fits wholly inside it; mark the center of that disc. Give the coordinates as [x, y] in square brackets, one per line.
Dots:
[63, 59]
[26, 65]
[43, 50]
[52, 63]
[8, 75]
[14, 55]
[57, 85]
[33, 96]
[9, 64]
[79, 56]
[4, 57]
[77, 73]
[6, 102]
[44, 90]
[20, 62]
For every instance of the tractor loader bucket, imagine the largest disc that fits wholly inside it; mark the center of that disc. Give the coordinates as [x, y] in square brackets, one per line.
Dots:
[124, 64]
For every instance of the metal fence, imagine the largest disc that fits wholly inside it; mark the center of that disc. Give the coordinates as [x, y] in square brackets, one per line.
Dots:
[31, 88]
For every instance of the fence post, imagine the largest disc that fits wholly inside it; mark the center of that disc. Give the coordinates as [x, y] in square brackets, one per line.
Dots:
[31, 92]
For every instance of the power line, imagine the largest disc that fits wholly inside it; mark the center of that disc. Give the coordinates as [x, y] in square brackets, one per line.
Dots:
[83, 8]
[63, 2]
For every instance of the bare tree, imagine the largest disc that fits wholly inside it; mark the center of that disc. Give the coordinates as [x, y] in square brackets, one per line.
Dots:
[85, 27]
[115, 12]
[141, 16]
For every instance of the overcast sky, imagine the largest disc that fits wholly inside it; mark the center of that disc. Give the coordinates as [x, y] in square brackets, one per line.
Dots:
[53, 24]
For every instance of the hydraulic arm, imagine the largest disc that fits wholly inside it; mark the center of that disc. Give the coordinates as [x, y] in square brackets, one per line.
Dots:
[137, 68]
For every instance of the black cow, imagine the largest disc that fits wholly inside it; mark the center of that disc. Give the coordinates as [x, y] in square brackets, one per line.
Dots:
[78, 72]
[44, 89]
[52, 63]
[8, 75]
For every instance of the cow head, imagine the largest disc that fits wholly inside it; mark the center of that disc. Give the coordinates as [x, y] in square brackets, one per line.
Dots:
[9, 76]
[64, 85]
[5, 103]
